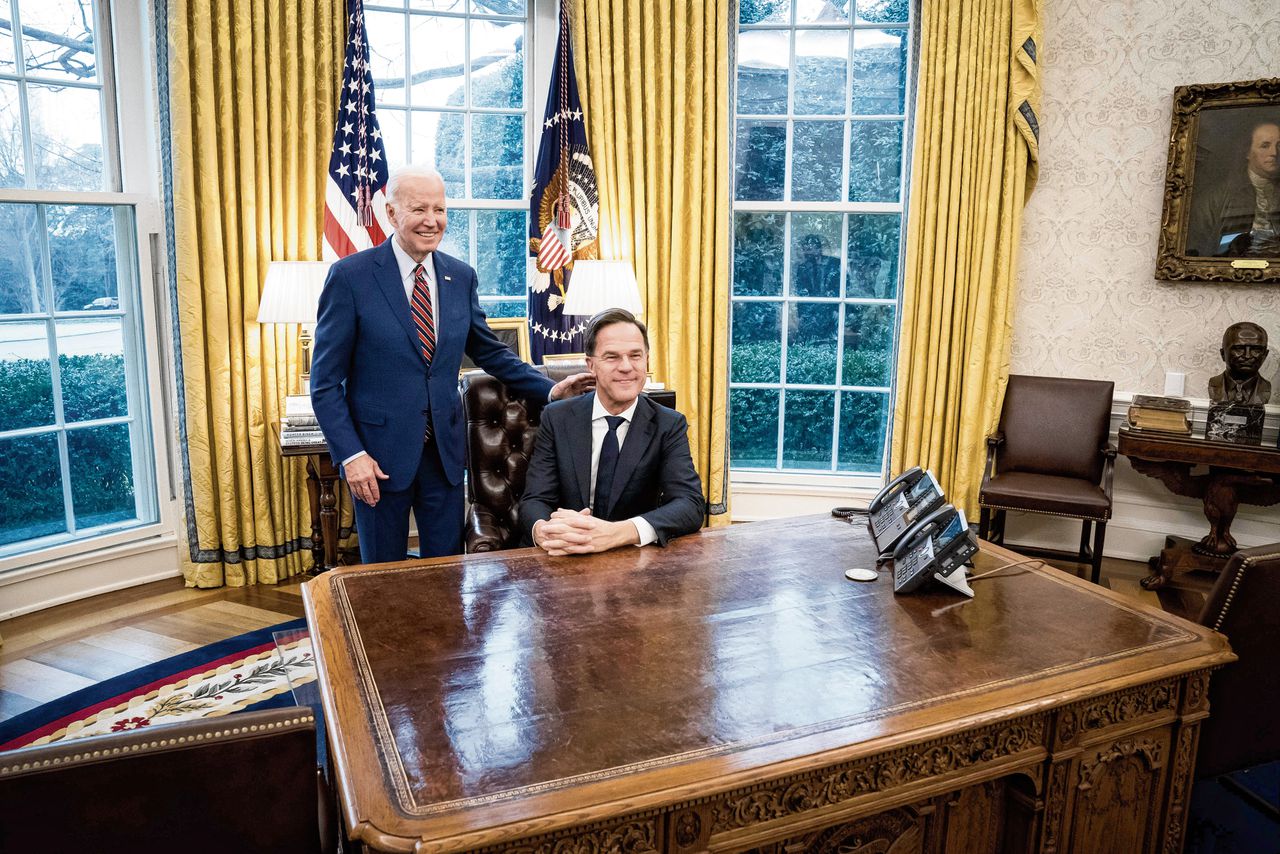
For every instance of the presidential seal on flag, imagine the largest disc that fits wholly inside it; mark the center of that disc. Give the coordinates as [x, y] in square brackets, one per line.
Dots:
[564, 209]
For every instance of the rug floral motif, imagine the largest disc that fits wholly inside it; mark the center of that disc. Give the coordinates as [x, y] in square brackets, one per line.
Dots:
[228, 688]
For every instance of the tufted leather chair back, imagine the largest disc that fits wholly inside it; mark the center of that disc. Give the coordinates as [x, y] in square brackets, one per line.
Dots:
[1243, 696]
[500, 434]
[1055, 425]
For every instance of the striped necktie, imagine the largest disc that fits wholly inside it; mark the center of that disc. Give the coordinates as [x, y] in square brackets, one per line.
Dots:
[423, 318]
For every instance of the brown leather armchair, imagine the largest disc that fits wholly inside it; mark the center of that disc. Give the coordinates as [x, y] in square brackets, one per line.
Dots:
[1244, 696]
[245, 783]
[1051, 455]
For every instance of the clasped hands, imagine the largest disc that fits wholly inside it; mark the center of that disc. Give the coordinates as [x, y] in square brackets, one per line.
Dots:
[577, 532]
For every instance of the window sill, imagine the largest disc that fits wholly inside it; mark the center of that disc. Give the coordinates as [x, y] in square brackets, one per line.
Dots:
[84, 552]
[760, 495]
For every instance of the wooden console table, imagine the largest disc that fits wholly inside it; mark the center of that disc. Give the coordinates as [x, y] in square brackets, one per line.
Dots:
[1236, 474]
[734, 692]
[322, 477]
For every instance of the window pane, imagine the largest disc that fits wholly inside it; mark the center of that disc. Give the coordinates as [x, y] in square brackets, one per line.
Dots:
[91, 363]
[806, 430]
[497, 157]
[864, 418]
[761, 160]
[8, 56]
[82, 255]
[101, 475]
[753, 427]
[822, 57]
[497, 64]
[437, 51]
[818, 151]
[457, 236]
[438, 141]
[875, 161]
[504, 307]
[30, 488]
[764, 11]
[21, 267]
[393, 124]
[491, 7]
[386, 55]
[68, 154]
[811, 343]
[13, 168]
[822, 11]
[58, 39]
[879, 71]
[868, 344]
[757, 342]
[762, 71]
[757, 254]
[501, 252]
[815, 255]
[26, 382]
[882, 11]
[873, 255]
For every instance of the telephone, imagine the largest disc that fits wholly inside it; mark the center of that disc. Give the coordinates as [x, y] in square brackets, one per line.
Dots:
[938, 546]
[908, 497]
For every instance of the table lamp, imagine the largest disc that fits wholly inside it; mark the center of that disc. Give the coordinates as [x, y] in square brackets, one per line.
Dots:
[291, 294]
[598, 285]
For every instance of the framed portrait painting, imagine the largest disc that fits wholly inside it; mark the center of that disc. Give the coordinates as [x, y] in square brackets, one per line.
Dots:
[512, 331]
[1221, 218]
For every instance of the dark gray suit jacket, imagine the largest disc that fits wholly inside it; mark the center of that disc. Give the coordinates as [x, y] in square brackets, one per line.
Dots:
[655, 478]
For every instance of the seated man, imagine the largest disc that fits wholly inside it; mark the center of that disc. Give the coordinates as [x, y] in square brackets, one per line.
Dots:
[612, 468]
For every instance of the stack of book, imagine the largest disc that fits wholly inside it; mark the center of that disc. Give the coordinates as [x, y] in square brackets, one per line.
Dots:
[1160, 414]
[299, 426]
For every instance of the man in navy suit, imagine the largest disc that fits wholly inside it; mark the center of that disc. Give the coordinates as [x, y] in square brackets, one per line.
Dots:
[393, 324]
[612, 468]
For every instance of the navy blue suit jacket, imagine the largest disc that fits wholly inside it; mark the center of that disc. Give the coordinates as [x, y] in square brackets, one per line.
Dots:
[655, 478]
[370, 386]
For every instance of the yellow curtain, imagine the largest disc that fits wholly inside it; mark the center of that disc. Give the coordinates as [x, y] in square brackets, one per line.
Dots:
[654, 83]
[253, 90]
[974, 164]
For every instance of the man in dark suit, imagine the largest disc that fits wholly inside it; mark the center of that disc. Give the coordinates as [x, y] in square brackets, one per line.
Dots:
[612, 468]
[393, 324]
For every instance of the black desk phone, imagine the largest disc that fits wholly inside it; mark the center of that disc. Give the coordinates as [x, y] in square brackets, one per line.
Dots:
[937, 547]
[910, 496]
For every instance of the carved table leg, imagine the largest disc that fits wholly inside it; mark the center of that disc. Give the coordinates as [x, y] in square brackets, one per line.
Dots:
[317, 535]
[328, 477]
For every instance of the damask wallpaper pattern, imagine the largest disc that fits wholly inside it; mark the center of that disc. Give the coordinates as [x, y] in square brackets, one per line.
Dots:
[1088, 304]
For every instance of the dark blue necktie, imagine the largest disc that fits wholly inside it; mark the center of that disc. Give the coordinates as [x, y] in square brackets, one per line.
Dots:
[607, 466]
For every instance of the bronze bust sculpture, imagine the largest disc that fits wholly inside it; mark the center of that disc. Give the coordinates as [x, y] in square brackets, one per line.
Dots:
[1244, 349]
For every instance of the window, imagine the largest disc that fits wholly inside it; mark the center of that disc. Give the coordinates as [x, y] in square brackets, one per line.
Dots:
[450, 83]
[819, 152]
[76, 457]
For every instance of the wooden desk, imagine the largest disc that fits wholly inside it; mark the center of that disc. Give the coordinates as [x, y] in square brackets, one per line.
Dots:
[322, 477]
[1235, 473]
[735, 692]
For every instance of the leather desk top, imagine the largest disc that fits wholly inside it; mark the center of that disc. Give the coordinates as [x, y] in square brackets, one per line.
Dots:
[469, 699]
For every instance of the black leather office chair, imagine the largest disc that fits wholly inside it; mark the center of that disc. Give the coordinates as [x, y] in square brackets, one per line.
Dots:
[1051, 455]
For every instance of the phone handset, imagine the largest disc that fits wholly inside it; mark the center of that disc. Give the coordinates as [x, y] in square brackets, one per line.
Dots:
[934, 523]
[894, 487]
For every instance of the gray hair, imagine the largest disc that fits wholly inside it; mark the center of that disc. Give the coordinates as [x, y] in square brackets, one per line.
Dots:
[411, 171]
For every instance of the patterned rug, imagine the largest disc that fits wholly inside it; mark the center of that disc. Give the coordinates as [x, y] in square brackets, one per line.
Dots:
[238, 674]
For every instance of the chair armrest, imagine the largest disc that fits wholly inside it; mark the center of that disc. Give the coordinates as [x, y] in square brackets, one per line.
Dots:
[484, 532]
[994, 441]
[1108, 468]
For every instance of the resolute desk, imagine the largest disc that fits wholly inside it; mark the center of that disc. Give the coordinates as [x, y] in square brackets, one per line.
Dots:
[734, 691]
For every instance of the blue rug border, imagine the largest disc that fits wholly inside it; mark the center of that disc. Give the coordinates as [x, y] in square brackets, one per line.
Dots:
[33, 719]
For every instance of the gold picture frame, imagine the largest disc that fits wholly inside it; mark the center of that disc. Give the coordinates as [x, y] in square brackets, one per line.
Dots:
[1207, 228]
[512, 331]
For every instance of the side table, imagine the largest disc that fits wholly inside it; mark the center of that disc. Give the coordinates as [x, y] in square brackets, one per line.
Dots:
[322, 477]
[1248, 474]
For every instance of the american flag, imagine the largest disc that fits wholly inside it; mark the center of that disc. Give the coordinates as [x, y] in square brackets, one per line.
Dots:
[355, 215]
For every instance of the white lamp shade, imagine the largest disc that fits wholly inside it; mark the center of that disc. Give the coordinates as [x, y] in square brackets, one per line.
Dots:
[599, 285]
[291, 293]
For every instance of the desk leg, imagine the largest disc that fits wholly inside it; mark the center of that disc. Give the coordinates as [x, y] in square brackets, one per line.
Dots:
[327, 474]
[317, 536]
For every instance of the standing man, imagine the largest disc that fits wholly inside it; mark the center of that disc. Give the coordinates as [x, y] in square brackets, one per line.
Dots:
[393, 324]
[612, 468]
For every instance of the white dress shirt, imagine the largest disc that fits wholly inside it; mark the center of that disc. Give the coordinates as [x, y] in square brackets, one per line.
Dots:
[600, 429]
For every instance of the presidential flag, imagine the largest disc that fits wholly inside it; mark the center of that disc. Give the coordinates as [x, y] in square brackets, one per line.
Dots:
[355, 207]
[564, 209]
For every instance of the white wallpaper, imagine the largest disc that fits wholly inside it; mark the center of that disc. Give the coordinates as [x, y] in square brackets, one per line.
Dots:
[1088, 304]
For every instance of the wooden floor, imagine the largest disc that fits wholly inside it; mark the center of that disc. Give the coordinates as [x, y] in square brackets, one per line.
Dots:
[59, 650]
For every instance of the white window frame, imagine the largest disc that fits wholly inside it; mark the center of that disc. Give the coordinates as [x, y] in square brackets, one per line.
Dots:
[126, 41]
